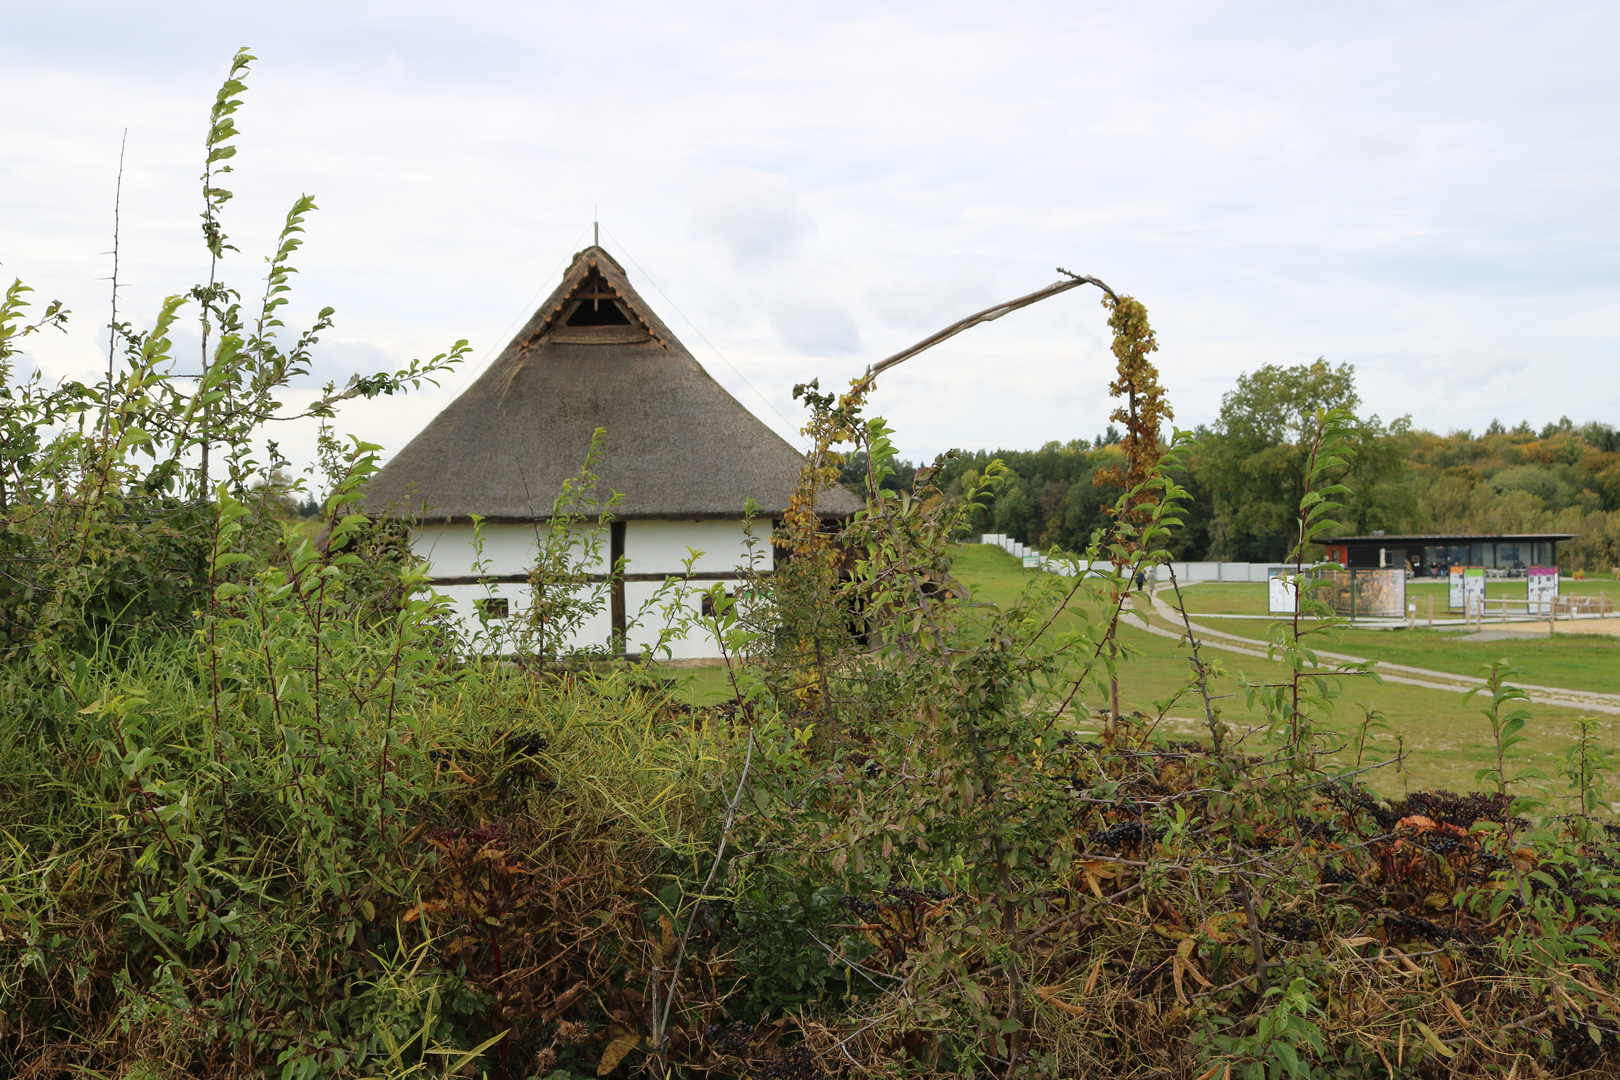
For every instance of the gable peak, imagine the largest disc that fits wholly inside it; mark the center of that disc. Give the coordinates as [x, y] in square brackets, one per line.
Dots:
[596, 306]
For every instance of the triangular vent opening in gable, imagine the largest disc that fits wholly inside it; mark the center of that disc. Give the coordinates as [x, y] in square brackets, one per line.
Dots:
[595, 314]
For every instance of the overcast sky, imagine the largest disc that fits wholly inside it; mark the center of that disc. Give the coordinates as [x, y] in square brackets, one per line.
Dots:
[1426, 191]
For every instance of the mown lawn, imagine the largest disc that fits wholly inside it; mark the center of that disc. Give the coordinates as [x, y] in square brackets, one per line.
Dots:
[707, 685]
[1567, 659]
[1445, 739]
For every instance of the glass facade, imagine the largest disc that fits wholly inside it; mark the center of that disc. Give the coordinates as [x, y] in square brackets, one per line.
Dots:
[1512, 556]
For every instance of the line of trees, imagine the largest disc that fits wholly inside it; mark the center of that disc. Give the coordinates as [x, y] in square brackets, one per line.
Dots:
[1247, 475]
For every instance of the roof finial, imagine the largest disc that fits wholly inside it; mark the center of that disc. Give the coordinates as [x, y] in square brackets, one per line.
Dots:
[596, 226]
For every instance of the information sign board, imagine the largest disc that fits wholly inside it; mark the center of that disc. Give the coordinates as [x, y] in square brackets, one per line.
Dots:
[1543, 592]
[1474, 591]
[1455, 599]
[1280, 593]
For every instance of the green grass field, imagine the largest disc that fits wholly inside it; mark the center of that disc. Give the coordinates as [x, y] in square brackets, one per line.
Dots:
[1567, 659]
[1445, 739]
[699, 685]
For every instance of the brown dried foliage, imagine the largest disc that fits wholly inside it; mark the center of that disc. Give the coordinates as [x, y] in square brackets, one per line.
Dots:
[1145, 407]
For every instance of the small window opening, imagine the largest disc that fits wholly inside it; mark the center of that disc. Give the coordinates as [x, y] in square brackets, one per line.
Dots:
[494, 607]
[598, 304]
[597, 311]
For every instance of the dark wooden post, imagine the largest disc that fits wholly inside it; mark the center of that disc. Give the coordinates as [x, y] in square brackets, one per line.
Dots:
[615, 558]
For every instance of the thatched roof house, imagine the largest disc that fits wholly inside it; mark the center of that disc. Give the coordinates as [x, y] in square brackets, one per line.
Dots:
[595, 355]
[683, 453]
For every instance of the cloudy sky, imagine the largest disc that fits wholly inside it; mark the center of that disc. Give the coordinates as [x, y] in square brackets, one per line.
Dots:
[1427, 191]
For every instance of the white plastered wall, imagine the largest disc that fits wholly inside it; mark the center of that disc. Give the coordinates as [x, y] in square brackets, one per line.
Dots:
[507, 549]
[660, 547]
[650, 547]
[593, 631]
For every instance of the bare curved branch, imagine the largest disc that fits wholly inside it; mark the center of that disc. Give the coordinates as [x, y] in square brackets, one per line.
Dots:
[990, 314]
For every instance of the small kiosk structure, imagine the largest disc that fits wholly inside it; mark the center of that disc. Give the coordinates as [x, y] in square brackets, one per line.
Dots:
[682, 455]
[1434, 554]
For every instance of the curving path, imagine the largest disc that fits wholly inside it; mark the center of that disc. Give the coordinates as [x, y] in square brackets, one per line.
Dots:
[1582, 700]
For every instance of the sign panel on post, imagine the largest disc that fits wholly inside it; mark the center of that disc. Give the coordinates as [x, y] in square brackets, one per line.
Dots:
[1032, 562]
[1474, 591]
[1543, 593]
[1280, 592]
[1455, 600]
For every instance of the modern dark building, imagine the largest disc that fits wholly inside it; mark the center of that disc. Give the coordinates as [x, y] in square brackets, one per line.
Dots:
[1434, 555]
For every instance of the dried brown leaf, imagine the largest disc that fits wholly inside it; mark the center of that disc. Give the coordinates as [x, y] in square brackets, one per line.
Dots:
[615, 1053]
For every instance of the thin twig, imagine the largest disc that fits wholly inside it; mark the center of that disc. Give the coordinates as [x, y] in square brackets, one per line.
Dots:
[863, 1029]
[1255, 943]
[1200, 673]
[112, 325]
[662, 1022]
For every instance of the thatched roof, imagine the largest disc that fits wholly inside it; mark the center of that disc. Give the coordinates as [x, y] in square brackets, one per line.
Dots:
[594, 355]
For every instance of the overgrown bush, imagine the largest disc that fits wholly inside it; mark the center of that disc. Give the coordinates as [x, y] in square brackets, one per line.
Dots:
[1025, 899]
[266, 815]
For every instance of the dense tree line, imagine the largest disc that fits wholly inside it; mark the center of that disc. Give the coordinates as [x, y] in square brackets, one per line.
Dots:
[1562, 478]
[1247, 475]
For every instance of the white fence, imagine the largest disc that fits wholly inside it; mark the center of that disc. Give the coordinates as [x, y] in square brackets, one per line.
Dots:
[1185, 571]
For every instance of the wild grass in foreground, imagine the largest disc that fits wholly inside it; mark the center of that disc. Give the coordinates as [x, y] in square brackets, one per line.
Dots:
[324, 884]
[267, 814]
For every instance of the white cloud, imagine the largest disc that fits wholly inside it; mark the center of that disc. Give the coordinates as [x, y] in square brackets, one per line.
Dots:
[337, 360]
[755, 217]
[1427, 191]
[933, 302]
[815, 325]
